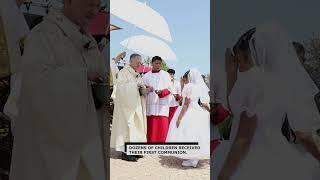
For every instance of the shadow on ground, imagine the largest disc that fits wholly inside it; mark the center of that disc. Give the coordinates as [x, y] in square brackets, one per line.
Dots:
[173, 162]
[114, 154]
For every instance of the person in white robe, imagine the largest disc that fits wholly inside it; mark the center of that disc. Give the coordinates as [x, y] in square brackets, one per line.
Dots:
[158, 101]
[113, 65]
[15, 29]
[129, 117]
[176, 94]
[262, 95]
[191, 123]
[219, 88]
[57, 133]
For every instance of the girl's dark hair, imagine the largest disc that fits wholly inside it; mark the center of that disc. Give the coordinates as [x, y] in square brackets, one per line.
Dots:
[171, 71]
[186, 75]
[243, 42]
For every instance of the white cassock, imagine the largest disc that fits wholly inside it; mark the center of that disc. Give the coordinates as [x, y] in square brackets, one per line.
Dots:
[57, 133]
[176, 89]
[174, 104]
[158, 106]
[15, 30]
[159, 81]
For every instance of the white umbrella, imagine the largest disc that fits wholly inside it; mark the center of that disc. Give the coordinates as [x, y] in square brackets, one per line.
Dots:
[142, 16]
[149, 46]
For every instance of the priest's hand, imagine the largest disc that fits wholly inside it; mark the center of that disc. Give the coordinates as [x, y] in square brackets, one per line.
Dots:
[144, 91]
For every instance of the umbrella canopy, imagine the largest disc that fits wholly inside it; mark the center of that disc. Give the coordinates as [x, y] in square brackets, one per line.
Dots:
[142, 16]
[144, 69]
[149, 46]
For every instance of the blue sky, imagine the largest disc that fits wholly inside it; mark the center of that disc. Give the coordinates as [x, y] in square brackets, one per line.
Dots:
[189, 23]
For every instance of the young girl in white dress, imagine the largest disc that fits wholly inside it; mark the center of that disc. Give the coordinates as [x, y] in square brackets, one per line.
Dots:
[271, 83]
[191, 122]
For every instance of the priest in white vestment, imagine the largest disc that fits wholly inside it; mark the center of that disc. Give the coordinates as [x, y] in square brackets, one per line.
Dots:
[158, 101]
[14, 30]
[57, 135]
[129, 119]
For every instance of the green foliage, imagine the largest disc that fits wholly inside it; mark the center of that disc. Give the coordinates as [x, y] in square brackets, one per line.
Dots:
[164, 66]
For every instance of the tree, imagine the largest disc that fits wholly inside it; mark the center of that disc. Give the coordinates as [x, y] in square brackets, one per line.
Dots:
[164, 66]
[147, 61]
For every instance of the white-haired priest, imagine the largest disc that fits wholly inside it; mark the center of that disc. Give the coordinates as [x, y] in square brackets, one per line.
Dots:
[129, 117]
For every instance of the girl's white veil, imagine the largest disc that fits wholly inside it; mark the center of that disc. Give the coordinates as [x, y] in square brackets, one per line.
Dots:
[286, 79]
[195, 77]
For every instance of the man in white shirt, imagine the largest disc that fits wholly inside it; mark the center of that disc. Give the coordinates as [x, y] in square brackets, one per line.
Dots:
[176, 94]
[157, 102]
[113, 65]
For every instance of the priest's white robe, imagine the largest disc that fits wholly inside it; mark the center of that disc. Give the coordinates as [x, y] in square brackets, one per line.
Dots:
[129, 117]
[57, 126]
[15, 30]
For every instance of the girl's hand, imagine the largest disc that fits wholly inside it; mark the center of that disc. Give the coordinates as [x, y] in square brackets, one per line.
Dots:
[178, 122]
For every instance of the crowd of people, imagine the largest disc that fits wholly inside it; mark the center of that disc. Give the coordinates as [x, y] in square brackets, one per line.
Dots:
[156, 108]
[269, 100]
